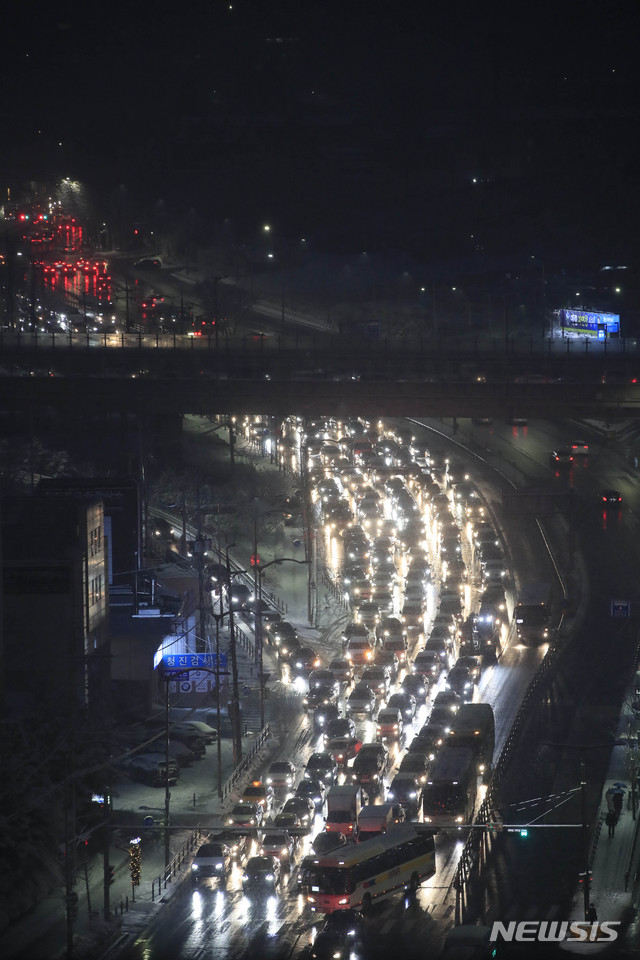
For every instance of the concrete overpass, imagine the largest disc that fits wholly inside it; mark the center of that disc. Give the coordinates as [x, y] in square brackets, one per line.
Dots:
[322, 375]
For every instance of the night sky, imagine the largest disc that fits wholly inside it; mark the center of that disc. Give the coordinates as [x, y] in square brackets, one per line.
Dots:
[364, 125]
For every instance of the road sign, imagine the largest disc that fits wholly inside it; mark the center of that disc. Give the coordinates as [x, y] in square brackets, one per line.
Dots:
[177, 665]
[620, 608]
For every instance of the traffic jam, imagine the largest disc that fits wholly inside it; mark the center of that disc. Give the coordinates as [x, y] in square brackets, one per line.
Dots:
[407, 537]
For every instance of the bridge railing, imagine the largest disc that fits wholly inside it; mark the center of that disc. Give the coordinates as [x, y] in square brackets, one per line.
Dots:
[541, 347]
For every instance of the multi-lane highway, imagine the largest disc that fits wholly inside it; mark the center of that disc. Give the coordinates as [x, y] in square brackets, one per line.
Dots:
[225, 922]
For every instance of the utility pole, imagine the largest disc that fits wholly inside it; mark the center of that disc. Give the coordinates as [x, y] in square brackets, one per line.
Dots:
[235, 691]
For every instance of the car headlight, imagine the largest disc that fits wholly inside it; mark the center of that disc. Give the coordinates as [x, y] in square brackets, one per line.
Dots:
[270, 877]
[194, 866]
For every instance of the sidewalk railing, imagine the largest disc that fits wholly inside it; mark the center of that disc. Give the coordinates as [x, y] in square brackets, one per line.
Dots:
[159, 883]
[246, 761]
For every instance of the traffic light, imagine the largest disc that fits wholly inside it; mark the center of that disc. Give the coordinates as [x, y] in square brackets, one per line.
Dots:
[255, 559]
[524, 833]
[111, 873]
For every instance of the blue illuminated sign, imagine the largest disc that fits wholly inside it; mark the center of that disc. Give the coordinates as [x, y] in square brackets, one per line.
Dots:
[600, 325]
[178, 663]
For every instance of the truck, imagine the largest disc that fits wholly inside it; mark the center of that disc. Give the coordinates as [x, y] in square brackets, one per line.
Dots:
[375, 819]
[473, 727]
[344, 803]
[532, 613]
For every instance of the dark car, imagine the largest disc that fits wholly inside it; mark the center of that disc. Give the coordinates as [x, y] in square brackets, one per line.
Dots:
[431, 737]
[362, 699]
[342, 669]
[261, 873]
[459, 680]
[445, 706]
[562, 457]
[378, 677]
[428, 663]
[388, 658]
[406, 789]
[239, 844]
[331, 945]
[611, 499]
[319, 696]
[416, 685]
[303, 807]
[324, 714]
[340, 727]
[404, 702]
[282, 631]
[324, 677]
[369, 766]
[312, 789]
[417, 764]
[303, 660]
[348, 921]
[322, 765]
[326, 841]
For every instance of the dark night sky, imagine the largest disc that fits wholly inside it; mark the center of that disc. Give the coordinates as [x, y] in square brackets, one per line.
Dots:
[343, 117]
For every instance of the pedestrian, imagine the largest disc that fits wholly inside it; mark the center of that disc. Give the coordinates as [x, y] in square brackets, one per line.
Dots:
[609, 798]
[592, 915]
[611, 823]
[617, 804]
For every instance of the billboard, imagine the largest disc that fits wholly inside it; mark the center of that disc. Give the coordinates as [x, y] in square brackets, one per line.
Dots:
[588, 323]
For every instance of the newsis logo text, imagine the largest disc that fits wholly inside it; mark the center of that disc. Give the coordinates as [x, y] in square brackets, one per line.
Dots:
[556, 931]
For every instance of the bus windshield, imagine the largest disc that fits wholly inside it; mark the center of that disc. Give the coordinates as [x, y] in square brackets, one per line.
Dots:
[329, 879]
[445, 798]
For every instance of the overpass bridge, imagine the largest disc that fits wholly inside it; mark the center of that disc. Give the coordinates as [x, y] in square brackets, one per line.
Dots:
[321, 375]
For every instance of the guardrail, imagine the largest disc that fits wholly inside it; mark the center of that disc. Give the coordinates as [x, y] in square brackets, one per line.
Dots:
[246, 761]
[167, 875]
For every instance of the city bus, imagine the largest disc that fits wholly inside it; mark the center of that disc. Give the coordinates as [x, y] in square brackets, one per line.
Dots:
[356, 876]
[449, 795]
[532, 613]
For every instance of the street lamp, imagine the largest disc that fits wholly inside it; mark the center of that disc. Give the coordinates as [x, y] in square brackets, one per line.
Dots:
[260, 569]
